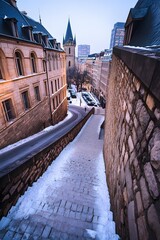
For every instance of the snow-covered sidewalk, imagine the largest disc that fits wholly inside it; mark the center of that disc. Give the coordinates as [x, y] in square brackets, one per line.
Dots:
[71, 200]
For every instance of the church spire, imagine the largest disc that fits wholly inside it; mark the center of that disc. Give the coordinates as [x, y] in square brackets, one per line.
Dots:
[68, 37]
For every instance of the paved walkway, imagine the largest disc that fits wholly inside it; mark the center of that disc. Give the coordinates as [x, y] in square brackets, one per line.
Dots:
[70, 201]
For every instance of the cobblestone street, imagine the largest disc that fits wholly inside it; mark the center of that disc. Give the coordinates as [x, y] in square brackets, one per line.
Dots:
[71, 200]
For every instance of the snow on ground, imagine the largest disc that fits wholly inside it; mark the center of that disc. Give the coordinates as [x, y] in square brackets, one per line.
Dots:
[80, 160]
[75, 101]
[47, 129]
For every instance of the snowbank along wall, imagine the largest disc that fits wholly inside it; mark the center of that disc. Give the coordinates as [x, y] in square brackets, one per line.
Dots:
[132, 142]
[14, 183]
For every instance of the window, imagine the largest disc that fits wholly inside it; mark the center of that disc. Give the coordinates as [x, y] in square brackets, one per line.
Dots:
[49, 62]
[46, 88]
[12, 23]
[54, 106]
[56, 85]
[44, 65]
[8, 109]
[33, 63]
[37, 94]
[57, 101]
[53, 62]
[25, 100]
[69, 51]
[69, 63]
[19, 66]
[52, 87]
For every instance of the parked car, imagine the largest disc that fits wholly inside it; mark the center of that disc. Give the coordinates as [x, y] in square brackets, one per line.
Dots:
[73, 94]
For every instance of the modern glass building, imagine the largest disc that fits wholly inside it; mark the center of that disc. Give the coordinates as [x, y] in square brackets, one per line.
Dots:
[83, 51]
[117, 35]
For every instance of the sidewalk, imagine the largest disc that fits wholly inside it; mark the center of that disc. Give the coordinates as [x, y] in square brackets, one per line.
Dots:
[71, 200]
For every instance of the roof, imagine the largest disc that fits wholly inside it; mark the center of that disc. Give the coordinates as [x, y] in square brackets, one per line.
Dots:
[146, 23]
[69, 37]
[138, 13]
[9, 12]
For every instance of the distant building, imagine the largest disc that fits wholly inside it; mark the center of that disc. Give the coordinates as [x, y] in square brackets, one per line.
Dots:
[32, 76]
[142, 27]
[83, 52]
[98, 68]
[117, 35]
[69, 44]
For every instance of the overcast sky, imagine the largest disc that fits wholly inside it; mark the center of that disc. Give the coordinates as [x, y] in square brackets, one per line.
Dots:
[91, 20]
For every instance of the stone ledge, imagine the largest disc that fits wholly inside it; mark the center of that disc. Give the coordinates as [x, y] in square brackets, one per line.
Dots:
[145, 64]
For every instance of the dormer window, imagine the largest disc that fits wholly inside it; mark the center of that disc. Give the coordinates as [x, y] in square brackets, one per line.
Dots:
[12, 22]
[53, 42]
[45, 40]
[38, 37]
[28, 31]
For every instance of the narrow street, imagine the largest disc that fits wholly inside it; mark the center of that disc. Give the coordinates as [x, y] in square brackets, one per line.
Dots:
[71, 200]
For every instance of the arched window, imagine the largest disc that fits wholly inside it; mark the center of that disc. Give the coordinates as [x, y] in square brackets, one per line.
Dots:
[19, 66]
[33, 63]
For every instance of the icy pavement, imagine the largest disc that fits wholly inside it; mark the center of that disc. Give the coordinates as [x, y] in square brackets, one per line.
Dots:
[70, 201]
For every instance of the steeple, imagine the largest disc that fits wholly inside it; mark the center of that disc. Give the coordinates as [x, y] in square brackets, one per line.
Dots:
[69, 45]
[69, 37]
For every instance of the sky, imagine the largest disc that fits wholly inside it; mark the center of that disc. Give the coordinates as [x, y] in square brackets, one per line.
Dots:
[91, 20]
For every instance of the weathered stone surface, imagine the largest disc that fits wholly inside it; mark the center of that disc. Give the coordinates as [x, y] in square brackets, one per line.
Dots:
[127, 117]
[155, 138]
[134, 116]
[139, 204]
[125, 158]
[132, 222]
[129, 182]
[137, 168]
[144, 191]
[142, 228]
[153, 221]
[150, 102]
[139, 105]
[125, 197]
[150, 177]
[130, 144]
[155, 155]
[144, 117]
[157, 113]
[149, 129]
[158, 176]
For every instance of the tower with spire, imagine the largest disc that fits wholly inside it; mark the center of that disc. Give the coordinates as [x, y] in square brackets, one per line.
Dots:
[69, 44]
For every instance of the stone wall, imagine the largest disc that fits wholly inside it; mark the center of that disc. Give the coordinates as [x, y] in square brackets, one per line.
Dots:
[34, 120]
[132, 144]
[16, 182]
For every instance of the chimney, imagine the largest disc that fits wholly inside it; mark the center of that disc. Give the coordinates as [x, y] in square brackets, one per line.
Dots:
[14, 3]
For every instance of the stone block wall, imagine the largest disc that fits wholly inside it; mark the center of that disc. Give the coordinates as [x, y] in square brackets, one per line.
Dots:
[16, 182]
[132, 147]
[34, 120]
